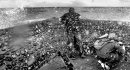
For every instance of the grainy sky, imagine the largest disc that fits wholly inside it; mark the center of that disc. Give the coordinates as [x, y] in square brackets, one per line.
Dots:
[52, 3]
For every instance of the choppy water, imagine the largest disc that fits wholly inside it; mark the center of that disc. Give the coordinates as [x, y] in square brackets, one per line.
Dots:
[16, 16]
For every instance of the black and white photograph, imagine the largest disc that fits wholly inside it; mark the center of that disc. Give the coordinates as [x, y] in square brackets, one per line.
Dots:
[64, 34]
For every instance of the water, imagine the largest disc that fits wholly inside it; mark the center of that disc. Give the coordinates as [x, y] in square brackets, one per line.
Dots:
[16, 16]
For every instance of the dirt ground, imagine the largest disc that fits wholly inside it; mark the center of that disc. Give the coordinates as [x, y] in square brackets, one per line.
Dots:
[88, 63]
[79, 64]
